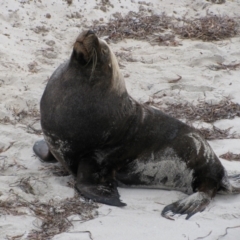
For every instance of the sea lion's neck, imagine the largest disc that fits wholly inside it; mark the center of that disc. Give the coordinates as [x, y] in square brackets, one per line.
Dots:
[118, 82]
[106, 75]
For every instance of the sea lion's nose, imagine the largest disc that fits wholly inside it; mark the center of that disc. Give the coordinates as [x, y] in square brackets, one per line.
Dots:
[90, 32]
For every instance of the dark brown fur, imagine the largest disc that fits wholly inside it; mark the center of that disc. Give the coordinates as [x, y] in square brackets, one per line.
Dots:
[101, 135]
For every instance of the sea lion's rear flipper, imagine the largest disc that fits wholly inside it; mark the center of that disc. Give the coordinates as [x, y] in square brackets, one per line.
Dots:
[196, 202]
[91, 186]
[230, 184]
[235, 183]
[41, 149]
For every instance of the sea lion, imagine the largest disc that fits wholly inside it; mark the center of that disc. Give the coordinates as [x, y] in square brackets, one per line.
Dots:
[104, 137]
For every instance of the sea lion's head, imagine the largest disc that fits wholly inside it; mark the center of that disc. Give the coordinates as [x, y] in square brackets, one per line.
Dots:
[96, 57]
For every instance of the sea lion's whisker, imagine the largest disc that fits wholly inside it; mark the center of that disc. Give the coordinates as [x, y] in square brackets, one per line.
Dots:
[94, 58]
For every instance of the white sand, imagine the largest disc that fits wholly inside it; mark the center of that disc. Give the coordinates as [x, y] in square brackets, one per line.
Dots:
[26, 37]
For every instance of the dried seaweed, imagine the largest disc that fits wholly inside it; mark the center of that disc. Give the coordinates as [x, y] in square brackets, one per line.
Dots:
[21, 115]
[56, 170]
[217, 133]
[230, 156]
[88, 232]
[15, 237]
[52, 217]
[2, 149]
[25, 185]
[204, 111]
[32, 130]
[198, 238]
[226, 231]
[136, 26]
[69, 2]
[4, 165]
[162, 29]
[208, 28]
[221, 66]
[7, 120]
[217, 1]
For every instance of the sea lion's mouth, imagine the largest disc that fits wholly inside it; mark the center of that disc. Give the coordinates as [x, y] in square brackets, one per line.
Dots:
[86, 45]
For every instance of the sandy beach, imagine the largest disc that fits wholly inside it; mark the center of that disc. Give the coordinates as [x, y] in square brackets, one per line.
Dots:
[182, 75]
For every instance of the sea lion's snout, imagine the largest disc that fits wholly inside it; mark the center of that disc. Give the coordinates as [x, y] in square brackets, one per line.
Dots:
[85, 45]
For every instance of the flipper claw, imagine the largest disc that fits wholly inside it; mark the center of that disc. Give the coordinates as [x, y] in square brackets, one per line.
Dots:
[197, 202]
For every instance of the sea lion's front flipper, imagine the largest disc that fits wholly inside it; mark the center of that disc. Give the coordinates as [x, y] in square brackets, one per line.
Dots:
[102, 193]
[96, 188]
[41, 149]
[196, 202]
